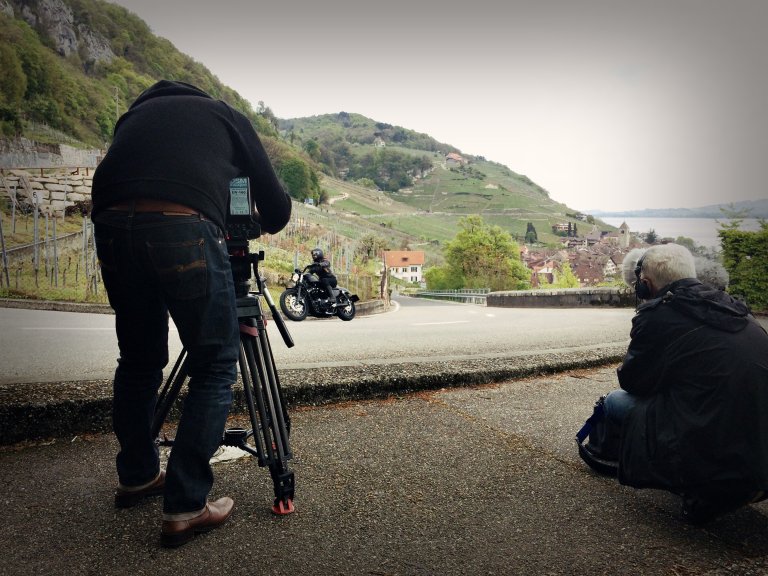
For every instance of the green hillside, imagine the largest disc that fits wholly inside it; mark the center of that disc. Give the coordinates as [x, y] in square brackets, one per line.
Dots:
[79, 91]
[408, 185]
[389, 181]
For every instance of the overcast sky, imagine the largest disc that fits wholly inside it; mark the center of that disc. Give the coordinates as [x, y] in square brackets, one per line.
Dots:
[607, 104]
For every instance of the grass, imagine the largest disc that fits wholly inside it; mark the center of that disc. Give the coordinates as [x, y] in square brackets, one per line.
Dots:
[67, 282]
[65, 279]
[22, 231]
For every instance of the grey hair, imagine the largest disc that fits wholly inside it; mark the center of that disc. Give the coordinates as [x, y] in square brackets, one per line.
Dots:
[708, 272]
[666, 263]
[711, 273]
[629, 263]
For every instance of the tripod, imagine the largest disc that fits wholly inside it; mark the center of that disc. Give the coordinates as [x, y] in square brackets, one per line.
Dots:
[267, 439]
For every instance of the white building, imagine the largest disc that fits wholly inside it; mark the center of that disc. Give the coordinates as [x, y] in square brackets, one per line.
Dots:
[405, 265]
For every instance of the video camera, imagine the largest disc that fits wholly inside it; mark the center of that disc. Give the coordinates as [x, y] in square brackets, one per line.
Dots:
[241, 227]
[241, 218]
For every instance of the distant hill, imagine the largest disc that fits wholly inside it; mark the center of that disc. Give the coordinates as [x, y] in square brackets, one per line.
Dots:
[752, 208]
[431, 182]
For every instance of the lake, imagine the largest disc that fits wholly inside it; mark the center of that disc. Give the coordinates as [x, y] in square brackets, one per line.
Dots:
[703, 231]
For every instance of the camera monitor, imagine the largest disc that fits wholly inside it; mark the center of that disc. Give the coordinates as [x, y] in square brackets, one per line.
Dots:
[241, 223]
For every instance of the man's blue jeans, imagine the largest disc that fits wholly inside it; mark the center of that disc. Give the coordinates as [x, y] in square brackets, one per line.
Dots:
[154, 265]
[618, 404]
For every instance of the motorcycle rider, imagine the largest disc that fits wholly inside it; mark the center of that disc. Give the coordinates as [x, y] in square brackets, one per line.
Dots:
[322, 269]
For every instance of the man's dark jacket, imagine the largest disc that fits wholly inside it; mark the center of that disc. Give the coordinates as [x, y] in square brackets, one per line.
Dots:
[322, 269]
[176, 143]
[699, 362]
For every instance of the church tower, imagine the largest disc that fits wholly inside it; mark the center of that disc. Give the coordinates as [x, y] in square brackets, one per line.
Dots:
[624, 235]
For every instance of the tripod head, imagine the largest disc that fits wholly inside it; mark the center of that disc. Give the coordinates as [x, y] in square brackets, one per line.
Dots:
[242, 262]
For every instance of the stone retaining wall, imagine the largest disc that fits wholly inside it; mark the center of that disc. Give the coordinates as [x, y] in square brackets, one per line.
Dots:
[53, 191]
[563, 298]
[29, 155]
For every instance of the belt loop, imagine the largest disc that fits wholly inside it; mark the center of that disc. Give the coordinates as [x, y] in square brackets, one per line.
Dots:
[132, 211]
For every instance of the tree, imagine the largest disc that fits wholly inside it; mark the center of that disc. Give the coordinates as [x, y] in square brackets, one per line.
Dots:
[565, 278]
[13, 81]
[530, 234]
[745, 257]
[370, 246]
[297, 177]
[735, 215]
[486, 257]
[443, 278]
[651, 237]
[312, 148]
[13, 85]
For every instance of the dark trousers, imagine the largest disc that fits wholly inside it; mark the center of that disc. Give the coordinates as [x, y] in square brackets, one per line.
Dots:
[329, 283]
[154, 265]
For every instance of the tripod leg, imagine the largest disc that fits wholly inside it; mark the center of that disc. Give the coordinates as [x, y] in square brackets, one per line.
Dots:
[168, 396]
[262, 393]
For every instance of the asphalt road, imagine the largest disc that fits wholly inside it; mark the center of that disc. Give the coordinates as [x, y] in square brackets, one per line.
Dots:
[50, 346]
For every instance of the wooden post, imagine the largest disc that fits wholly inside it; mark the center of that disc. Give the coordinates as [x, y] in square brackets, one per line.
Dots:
[5, 256]
[36, 235]
[46, 259]
[55, 254]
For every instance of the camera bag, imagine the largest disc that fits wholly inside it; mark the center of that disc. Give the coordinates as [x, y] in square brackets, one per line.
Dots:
[599, 442]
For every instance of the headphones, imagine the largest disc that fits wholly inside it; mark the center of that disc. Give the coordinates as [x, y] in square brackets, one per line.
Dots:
[642, 290]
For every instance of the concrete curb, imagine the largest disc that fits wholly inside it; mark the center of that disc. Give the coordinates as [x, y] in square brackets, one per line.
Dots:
[362, 308]
[66, 409]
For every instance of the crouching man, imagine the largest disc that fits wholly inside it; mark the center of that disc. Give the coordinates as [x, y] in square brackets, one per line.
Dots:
[692, 412]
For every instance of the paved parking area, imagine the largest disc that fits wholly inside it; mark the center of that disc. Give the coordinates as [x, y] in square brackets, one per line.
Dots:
[480, 480]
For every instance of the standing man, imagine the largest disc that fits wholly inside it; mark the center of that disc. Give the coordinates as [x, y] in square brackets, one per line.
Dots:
[160, 201]
[693, 404]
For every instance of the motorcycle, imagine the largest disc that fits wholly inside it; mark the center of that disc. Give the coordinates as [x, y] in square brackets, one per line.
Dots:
[307, 296]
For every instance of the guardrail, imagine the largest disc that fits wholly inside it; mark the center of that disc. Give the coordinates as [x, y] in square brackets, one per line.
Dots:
[467, 296]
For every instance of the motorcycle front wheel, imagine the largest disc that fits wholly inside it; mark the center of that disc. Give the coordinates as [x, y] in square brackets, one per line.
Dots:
[293, 306]
[346, 311]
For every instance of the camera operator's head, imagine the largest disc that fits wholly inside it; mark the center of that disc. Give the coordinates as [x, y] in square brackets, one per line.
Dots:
[661, 265]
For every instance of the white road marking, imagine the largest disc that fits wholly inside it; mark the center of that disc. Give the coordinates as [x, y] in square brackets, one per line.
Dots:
[439, 323]
[67, 329]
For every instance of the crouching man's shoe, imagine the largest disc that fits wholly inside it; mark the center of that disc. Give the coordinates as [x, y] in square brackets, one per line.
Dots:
[177, 532]
[127, 496]
[698, 510]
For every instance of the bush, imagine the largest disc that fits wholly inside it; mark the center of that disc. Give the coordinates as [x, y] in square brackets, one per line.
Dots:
[745, 257]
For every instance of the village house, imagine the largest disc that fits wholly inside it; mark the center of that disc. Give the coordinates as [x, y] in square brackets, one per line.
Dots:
[453, 159]
[405, 265]
[597, 265]
[592, 265]
[545, 267]
[620, 238]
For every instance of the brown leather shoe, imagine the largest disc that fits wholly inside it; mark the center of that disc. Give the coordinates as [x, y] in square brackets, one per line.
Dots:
[177, 532]
[125, 497]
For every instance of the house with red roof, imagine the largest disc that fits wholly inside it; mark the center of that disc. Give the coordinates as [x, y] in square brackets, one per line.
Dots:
[406, 265]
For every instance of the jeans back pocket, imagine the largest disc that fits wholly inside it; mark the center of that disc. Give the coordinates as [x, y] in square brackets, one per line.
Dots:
[180, 268]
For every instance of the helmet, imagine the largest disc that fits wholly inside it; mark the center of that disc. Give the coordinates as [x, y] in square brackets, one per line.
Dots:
[317, 255]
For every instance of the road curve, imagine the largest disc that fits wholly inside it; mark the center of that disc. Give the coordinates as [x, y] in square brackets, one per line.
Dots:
[51, 346]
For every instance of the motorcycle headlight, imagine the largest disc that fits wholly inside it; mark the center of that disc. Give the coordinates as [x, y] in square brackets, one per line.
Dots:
[295, 277]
